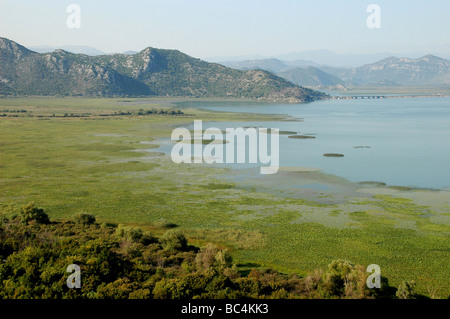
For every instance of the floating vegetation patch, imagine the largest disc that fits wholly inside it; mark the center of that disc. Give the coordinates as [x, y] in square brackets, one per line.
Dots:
[287, 133]
[401, 188]
[131, 166]
[213, 186]
[401, 206]
[371, 183]
[200, 133]
[333, 155]
[301, 137]
[331, 218]
[359, 215]
[154, 154]
[201, 141]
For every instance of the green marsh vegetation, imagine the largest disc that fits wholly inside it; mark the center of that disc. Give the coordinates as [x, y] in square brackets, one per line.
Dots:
[104, 167]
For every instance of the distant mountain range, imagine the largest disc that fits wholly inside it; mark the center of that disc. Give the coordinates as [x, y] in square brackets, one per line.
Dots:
[300, 59]
[80, 49]
[325, 58]
[158, 72]
[272, 65]
[150, 72]
[428, 70]
[312, 77]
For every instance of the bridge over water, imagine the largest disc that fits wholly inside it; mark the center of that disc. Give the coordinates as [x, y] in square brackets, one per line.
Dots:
[367, 96]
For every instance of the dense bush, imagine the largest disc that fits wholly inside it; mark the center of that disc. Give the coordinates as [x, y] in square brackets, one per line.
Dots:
[31, 212]
[84, 219]
[210, 256]
[129, 233]
[406, 290]
[174, 240]
[125, 262]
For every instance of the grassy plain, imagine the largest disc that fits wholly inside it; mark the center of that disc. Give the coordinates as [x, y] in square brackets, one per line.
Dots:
[103, 166]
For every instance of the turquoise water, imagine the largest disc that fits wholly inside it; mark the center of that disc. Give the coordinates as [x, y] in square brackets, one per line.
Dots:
[406, 141]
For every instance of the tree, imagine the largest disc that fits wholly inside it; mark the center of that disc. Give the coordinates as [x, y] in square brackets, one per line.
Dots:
[31, 212]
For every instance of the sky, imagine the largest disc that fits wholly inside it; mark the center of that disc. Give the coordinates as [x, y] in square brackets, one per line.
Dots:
[208, 28]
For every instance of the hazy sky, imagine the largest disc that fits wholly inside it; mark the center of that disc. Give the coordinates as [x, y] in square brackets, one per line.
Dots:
[205, 28]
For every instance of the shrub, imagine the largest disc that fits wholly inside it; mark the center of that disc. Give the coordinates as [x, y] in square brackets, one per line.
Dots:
[336, 276]
[163, 223]
[406, 290]
[223, 259]
[206, 257]
[210, 256]
[173, 240]
[147, 239]
[31, 212]
[129, 233]
[343, 279]
[32, 267]
[108, 225]
[84, 219]
[165, 289]
[3, 219]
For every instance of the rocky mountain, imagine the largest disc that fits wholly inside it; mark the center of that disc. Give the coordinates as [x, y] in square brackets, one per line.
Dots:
[312, 77]
[326, 57]
[272, 65]
[60, 73]
[427, 70]
[151, 72]
[130, 52]
[300, 72]
[81, 49]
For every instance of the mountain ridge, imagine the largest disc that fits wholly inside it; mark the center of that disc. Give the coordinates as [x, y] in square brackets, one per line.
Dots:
[79, 49]
[150, 72]
[312, 77]
[428, 70]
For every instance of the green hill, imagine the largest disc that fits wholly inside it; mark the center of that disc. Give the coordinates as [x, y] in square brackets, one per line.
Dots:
[151, 72]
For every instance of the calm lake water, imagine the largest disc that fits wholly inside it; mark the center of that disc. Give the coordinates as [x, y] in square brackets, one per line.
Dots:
[406, 140]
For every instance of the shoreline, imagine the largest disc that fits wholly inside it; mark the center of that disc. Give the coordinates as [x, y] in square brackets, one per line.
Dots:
[279, 117]
[293, 221]
[315, 185]
[381, 96]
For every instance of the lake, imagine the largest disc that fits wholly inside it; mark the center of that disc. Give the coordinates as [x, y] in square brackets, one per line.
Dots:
[397, 141]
